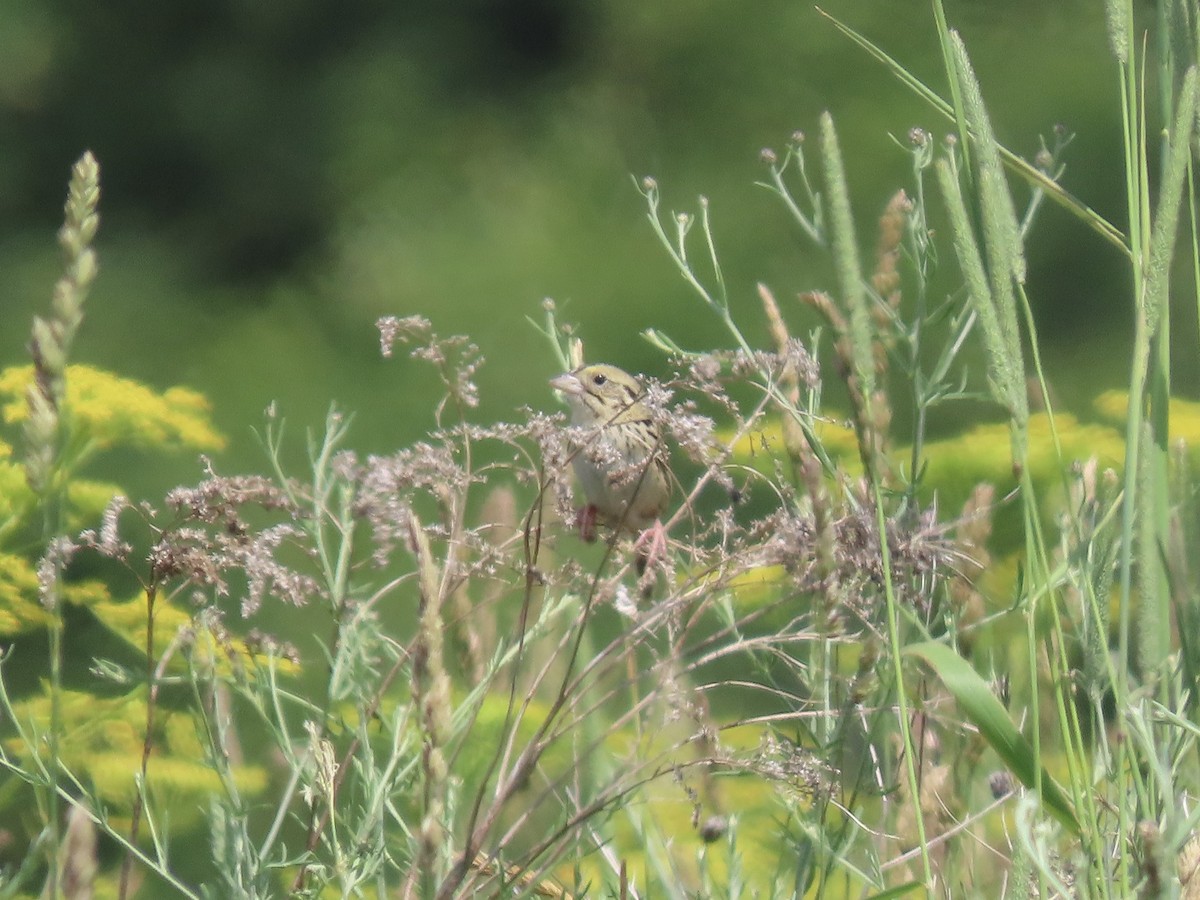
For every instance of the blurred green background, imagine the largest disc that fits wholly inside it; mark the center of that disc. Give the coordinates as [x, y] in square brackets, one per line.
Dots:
[278, 175]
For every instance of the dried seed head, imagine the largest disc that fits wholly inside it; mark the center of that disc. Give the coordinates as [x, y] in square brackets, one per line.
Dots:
[713, 829]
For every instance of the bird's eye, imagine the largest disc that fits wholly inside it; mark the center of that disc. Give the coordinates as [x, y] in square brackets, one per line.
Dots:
[598, 379]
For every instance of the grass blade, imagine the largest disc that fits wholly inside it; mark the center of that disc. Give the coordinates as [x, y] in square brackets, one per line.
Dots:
[1020, 167]
[981, 707]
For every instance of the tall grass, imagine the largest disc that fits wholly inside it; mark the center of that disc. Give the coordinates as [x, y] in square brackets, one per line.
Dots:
[847, 677]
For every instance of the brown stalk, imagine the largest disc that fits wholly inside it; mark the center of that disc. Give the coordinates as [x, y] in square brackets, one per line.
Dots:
[805, 463]
[147, 742]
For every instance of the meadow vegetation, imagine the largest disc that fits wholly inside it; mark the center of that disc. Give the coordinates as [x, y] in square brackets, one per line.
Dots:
[873, 663]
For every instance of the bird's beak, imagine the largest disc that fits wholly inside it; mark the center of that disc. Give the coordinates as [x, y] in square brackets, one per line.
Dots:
[568, 383]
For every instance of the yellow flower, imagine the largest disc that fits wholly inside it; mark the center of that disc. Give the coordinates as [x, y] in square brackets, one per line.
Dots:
[110, 411]
[102, 741]
[19, 606]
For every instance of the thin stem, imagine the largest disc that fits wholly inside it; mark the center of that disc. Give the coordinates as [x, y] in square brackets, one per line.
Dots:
[147, 741]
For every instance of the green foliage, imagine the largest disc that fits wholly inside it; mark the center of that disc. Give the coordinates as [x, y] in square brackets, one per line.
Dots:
[105, 412]
[880, 660]
[975, 698]
[103, 745]
[87, 741]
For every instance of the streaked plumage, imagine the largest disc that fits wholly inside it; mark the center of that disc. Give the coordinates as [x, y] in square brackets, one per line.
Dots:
[620, 460]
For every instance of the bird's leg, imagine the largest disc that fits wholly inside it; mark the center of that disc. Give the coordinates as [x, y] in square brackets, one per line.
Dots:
[585, 521]
[650, 546]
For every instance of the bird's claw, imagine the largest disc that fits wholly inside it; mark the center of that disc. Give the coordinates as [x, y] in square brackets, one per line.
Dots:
[650, 546]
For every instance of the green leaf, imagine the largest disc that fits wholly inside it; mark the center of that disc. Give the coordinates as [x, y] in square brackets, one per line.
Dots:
[900, 890]
[982, 708]
[1027, 173]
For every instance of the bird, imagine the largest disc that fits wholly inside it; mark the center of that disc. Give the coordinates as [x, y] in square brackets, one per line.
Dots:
[619, 456]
